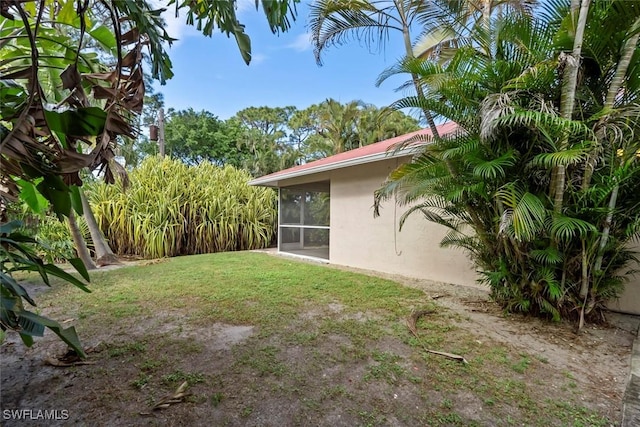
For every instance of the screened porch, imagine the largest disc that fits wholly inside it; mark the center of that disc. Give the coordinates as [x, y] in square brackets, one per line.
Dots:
[303, 220]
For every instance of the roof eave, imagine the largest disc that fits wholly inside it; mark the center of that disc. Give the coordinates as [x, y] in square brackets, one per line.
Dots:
[273, 181]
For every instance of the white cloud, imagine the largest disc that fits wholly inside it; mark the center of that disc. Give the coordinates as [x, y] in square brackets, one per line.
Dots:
[245, 6]
[176, 27]
[258, 58]
[301, 43]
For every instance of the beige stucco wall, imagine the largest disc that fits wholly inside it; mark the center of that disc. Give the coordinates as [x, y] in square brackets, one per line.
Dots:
[360, 240]
[629, 301]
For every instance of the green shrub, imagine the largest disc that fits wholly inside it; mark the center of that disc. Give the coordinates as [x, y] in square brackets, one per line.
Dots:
[172, 209]
[54, 242]
[54, 238]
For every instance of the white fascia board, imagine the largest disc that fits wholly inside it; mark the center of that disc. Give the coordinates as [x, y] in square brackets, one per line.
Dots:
[273, 181]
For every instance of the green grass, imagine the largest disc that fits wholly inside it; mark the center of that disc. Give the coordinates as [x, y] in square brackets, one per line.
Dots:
[216, 398]
[142, 381]
[177, 377]
[386, 367]
[522, 364]
[238, 288]
[264, 361]
[133, 348]
[322, 337]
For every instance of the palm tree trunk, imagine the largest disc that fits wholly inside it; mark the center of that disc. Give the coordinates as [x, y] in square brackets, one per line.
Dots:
[597, 267]
[567, 100]
[485, 25]
[80, 244]
[613, 200]
[623, 65]
[406, 35]
[104, 254]
[614, 89]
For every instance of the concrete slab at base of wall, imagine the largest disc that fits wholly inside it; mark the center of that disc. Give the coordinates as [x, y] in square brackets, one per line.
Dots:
[631, 404]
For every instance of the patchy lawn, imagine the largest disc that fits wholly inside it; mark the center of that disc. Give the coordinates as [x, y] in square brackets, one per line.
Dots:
[263, 340]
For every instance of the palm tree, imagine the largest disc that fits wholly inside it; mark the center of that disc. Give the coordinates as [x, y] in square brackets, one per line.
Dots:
[376, 124]
[451, 24]
[513, 137]
[579, 11]
[334, 22]
[444, 23]
[337, 125]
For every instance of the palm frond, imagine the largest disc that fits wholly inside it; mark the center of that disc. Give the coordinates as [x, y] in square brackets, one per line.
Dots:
[491, 169]
[335, 22]
[548, 256]
[463, 147]
[564, 228]
[571, 156]
[457, 240]
[430, 215]
[525, 212]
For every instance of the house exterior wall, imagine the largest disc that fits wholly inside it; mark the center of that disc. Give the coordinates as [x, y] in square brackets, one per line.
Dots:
[629, 301]
[360, 240]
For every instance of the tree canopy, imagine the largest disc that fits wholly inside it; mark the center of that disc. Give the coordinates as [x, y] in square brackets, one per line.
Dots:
[193, 137]
[265, 139]
[59, 94]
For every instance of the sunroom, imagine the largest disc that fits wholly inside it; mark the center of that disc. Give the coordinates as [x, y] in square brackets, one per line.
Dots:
[303, 220]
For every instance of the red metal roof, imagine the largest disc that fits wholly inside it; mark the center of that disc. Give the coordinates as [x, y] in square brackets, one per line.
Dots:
[368, 153]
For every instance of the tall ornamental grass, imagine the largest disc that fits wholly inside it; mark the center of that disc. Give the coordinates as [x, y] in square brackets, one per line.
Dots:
[171, 209]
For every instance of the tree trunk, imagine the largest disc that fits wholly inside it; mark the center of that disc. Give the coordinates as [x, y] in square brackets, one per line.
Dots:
[104, 254]
[485, 25]
[623, 65]
[78, 241]
[416, 83]
[604, 239]
[614, 89]
[568, 97]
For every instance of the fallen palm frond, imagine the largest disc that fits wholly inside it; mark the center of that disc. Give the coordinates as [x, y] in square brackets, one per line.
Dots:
[68, 359]
[172, 209]
[178, 396]
[411, 324]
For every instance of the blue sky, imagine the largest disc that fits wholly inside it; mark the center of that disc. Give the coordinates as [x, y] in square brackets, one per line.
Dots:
[211, 75]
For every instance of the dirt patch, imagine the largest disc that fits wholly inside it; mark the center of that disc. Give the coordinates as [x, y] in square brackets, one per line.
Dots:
[331, 367]
[598, 358]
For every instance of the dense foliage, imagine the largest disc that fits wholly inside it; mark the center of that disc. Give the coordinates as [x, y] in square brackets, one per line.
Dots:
[193, 137]
[539, 183]
[17, 254]
[71, 89]
[172, 209]
[265, 139]
[71, 78]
